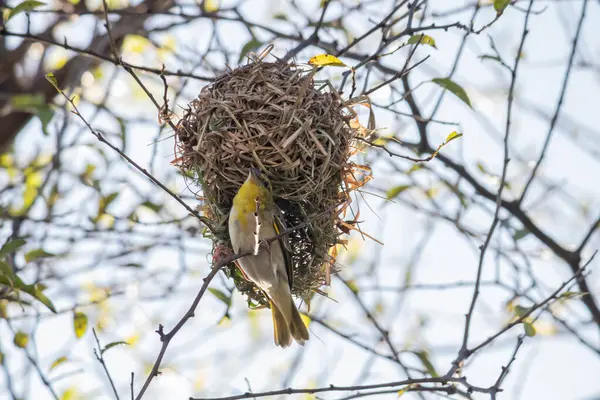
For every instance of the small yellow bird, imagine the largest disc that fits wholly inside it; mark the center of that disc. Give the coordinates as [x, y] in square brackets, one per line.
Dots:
[254, 218]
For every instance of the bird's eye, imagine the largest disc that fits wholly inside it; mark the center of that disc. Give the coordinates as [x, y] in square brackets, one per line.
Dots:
[264, 181]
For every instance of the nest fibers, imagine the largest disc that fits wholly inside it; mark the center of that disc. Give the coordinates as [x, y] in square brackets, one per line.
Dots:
[273, 117]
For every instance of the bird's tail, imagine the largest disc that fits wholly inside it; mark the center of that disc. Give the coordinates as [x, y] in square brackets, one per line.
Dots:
[281, 332]
[287, 322]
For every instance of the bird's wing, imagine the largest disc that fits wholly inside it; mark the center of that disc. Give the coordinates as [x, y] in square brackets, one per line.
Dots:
[284, 242]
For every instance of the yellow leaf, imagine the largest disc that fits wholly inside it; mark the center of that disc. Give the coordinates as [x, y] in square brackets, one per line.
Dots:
[58, 62]
[545, 328]
[352, 285]
[52, 79]
[80, 324]
[70, 394]
[225, 321]
[432, 192]
[133, 339]
[210, 6]
[3, 313]
[306, 319]
[199, 382]
[21, 339]
[423, 39]
[401, 392]
[58, 361]
[452, 136]
[255, 326]
[106, 221]
[135, 44]
[6, 160]
[323, 60]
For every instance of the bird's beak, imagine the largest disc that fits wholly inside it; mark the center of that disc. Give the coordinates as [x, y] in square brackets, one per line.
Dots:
[253, 174]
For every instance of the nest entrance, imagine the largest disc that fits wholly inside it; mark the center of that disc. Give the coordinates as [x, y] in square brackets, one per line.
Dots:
[271, 116]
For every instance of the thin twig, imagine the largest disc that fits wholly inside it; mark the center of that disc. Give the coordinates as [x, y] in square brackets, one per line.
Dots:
[99, 353]
[559, 104]
[464, 352]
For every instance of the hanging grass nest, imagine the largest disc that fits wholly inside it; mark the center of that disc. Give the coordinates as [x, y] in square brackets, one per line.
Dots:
[274, 117]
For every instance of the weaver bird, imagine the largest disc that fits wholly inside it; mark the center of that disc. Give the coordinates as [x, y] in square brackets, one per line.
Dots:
[254, 218]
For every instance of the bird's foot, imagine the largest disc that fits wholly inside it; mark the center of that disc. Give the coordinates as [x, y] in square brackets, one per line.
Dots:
[264, 244]
[220, 253]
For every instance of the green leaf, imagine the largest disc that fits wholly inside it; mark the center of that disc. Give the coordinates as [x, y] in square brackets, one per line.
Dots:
[395, 191]
[414, 168]
[105, 201]
[27, 5]
[41, 297]
[27, 101]
[80, 324]
[57, 362]
[21, 339]
[489, 57]
[352, 286]
[1, 358]
[500, 6]
[87, 175]
[423, 39]
[35, 254]
[520, 311]
[132, 265]
[153, 206]
[45, 114]
[11, 246]
[453, 87]
[52, 79]
[424, 358]
[520, 234]
[571, 295]
[529, 329]
[113, 344]
[7, 275]
[253, 44]
[37, 292]
[221, 296]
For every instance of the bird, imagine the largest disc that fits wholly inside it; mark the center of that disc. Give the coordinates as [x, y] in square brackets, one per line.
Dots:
[253, 220]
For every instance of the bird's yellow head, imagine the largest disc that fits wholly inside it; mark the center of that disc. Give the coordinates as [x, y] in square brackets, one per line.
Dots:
[255, 188]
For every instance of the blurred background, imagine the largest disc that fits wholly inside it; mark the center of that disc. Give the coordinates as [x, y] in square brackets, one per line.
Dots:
[110, 250]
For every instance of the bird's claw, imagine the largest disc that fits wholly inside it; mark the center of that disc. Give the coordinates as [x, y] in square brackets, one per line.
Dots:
[220, 253]
[264, 244]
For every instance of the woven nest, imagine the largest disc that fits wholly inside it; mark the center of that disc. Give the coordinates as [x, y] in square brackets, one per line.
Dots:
[272, 116]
